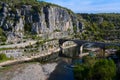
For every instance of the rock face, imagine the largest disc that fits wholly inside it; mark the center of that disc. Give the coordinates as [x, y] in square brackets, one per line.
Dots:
[51, 19]
[27, 18]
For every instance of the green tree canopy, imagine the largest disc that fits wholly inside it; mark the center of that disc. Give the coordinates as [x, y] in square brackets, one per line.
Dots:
[102, 69]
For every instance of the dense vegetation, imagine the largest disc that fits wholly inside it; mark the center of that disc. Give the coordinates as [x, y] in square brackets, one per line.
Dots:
[93, 69]
[101, 26]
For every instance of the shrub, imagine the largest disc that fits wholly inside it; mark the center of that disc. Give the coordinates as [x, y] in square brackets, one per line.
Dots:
[2, 36]
[27, 27]
[56, 30]
[3, 57]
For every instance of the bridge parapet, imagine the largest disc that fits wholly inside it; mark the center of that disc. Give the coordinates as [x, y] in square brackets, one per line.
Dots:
[81, 42]
[78, 42]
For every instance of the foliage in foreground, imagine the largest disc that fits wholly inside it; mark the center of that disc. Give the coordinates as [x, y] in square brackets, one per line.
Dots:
[102, 69]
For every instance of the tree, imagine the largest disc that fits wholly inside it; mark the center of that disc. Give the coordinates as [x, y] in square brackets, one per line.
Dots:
[104, 70]
[40, 0]
[85, 71]
[90, 61]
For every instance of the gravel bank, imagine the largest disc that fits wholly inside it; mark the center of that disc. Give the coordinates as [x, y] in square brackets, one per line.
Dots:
[32, 71]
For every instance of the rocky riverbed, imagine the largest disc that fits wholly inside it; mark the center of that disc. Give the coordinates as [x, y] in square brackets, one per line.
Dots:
[37, 71]
[28, 71]
[55, 69]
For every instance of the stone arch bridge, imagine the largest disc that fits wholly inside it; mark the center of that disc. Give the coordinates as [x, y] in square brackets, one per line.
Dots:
[82, 43]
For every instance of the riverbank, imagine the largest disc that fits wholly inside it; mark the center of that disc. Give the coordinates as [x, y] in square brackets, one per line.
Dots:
[28, 71]
[51, 51]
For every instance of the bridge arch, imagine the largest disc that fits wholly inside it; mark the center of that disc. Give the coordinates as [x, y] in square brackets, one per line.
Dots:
[65, 42]
[62, 41]
[68, 43]
[90, 45]
[82, 43]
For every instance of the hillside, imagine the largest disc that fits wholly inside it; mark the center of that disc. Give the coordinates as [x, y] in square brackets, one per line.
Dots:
[23, 19]
[101, 27]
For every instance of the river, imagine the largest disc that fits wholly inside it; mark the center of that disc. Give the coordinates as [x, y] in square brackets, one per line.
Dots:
[63, 70]
[53, 67]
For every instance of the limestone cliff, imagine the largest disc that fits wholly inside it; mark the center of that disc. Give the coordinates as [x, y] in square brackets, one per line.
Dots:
[18, 19]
